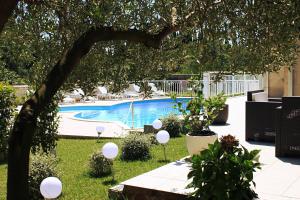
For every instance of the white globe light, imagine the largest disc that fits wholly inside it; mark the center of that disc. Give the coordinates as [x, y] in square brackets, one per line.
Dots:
[162, 136]
[110, 150]
[100, 129]
[157, 124]
[51, 188]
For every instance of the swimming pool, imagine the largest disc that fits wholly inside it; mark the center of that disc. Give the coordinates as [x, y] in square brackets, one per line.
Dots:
[145, 111]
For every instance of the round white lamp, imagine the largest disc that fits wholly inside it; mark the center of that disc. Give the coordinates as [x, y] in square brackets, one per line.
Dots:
[110, 151]
[100, 130]
[157, 124]
[163, 138]
[51, 188]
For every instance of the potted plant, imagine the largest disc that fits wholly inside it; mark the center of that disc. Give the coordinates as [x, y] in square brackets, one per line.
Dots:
[198, 114]
[224, 171]
[222, 114]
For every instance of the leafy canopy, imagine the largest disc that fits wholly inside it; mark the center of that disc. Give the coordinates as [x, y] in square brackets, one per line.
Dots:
[224, 35]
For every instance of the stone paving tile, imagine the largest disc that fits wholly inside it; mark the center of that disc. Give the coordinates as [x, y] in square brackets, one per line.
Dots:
[167, 172]
[170, 178]
[274, 181]
[294, 189]
[263, 196]
[158, 183]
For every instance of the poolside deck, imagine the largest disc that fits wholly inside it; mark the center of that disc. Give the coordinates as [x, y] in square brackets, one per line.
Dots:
[75, 128]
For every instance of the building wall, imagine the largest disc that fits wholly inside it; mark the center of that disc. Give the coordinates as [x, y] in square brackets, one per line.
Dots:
[296, 78]
[276, 83]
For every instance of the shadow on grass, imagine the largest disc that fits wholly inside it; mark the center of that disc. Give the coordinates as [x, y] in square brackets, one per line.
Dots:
[110, 182]
[93, 176]
[130, 160]
[164, 161]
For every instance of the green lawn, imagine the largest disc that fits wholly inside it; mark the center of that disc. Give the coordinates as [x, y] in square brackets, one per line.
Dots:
[3, 169]
[78, 184]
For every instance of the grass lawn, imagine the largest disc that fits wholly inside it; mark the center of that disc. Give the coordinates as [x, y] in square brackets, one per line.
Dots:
[79, 185]
[3, 169]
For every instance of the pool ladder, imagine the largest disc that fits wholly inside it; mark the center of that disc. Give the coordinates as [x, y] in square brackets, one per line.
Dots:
[131, 109]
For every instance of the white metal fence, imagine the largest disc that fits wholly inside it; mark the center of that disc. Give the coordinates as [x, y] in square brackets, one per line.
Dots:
[211, 88]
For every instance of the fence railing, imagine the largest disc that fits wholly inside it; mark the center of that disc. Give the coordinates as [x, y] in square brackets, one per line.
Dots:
[210, 88]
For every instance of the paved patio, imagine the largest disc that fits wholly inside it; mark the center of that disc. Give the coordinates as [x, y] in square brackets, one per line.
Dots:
[279, 178]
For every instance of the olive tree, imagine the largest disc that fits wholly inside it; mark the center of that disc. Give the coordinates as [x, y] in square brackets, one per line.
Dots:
[220, 29]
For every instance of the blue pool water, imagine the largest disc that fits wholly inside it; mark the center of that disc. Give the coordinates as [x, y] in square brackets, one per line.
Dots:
[145, 112]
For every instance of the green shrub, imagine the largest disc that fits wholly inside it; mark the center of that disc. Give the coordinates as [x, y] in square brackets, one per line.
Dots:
[224, 171]
[136, 146]
[99, 165]
[7, 109]
[9, 76]
[172, 124]
[152, 138]
[41, 167]
[20, 100]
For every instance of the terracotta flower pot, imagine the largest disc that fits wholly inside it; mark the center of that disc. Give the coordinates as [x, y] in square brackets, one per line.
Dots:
[195, 144]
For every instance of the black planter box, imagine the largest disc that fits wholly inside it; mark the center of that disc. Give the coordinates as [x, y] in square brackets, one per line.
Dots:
[288, 128]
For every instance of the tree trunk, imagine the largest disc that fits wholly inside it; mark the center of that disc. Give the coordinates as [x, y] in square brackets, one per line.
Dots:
[25, 125]
[18, 153]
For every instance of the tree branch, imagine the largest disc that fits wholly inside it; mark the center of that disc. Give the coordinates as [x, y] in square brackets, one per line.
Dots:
[82, 46]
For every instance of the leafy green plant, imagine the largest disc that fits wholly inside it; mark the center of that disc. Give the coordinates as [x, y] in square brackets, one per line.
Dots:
[9, 76]
[200, 112]
[136, 146]
[172, 124]
[224, 171]
[99, 165]
[7, 109]
[215, 104]
[152, 139]
[41, 167]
